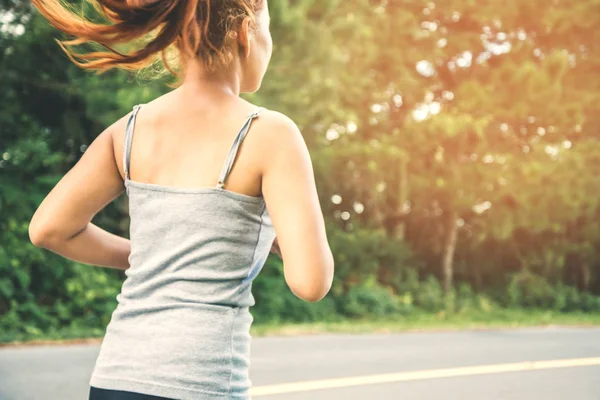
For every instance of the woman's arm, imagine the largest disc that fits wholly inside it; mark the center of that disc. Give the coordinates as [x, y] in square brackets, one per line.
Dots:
[62, 222]
[290, 193]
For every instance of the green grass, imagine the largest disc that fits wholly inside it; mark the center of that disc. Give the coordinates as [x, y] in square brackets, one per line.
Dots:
[433, 322]
[417, 322]
[55, 335]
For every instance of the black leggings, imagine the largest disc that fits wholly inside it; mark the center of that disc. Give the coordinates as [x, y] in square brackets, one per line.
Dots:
[106, 394]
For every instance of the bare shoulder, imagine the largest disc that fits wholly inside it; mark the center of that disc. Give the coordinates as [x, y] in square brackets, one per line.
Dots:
[116, 132]
[117, 128]
[281, 146]
[277, 119]
[277, 131]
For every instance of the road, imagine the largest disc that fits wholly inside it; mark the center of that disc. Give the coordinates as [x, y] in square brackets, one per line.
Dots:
[471, 365]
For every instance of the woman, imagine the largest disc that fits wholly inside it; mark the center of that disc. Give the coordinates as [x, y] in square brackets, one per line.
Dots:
[212, 180]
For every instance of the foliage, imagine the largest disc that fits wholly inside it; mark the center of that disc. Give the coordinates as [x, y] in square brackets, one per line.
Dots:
[455, 144]
[275, 303]
[370, 299]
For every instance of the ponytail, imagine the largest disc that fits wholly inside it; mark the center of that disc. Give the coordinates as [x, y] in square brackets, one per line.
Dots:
[197, 28]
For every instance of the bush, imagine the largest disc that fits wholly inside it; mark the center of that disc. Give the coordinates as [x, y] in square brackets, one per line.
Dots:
[566, 298]
[466, 299]
[365, 252]
[527, 289]
[430, 295]
[589, 302]
[370, 299]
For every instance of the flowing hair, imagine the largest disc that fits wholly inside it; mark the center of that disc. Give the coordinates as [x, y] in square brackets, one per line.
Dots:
[195, 28]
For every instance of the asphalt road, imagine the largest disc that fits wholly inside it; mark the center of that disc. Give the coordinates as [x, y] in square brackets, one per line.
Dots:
[473, 365]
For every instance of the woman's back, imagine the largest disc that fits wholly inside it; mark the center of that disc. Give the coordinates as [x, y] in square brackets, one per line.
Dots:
[194, 254]
[183, 140]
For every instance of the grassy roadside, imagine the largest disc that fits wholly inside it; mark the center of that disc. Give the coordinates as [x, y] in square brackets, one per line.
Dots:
[501, 319]
[498, 319]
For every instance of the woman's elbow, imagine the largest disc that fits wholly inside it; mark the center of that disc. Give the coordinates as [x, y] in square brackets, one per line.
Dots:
[41, 235]
[310, 295]
[37, 237]
[314, 297]
[313, 288]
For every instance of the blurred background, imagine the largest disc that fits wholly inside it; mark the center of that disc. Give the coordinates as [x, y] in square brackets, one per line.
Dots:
[456, 147]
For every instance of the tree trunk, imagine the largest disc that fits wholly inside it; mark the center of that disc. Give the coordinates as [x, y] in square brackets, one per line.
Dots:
[402, 199]
[449, 247]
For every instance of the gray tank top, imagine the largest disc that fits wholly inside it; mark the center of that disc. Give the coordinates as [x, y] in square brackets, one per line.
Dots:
[181, 326]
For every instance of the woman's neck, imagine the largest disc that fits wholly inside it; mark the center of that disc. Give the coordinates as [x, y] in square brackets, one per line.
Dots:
[198, 80]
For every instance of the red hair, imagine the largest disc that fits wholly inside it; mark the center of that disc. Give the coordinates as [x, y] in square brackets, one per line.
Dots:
[197, 28]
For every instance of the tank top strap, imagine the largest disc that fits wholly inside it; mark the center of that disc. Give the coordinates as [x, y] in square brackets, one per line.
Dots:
[129, 139]
[235, 146]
